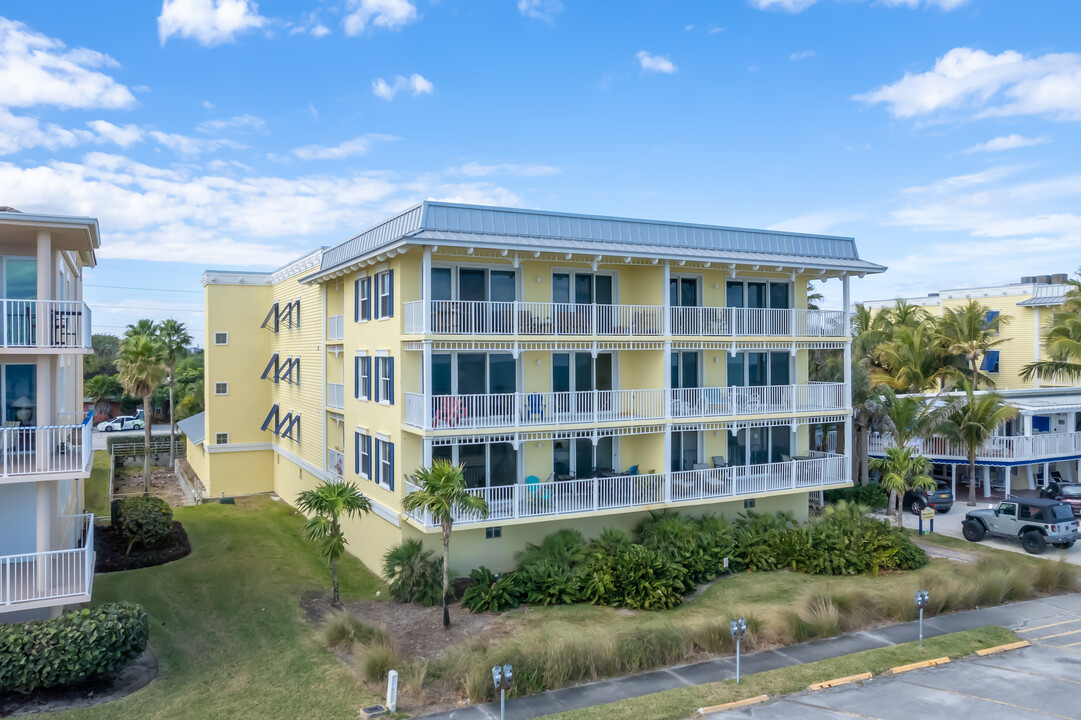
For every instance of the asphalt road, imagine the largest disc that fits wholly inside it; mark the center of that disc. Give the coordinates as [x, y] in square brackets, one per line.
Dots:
[100, 437]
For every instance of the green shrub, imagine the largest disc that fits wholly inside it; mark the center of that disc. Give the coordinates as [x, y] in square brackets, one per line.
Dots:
[564, 548]
[488, 593]
[870, 495]
[545, 582]
[639, 578]
[144, 520]
[414, 575]
[611, 541]
[78, 646]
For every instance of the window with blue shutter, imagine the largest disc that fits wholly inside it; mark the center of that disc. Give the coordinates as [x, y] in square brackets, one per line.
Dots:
[362, 310]
[390, 383]
[356, 453]
[366, 457]
[990, 362]
[990, 316]
[390, 464]
[362, 377]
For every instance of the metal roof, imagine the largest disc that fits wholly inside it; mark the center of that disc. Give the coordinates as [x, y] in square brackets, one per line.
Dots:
[431, 222]
[194, 427]
[1047, 295]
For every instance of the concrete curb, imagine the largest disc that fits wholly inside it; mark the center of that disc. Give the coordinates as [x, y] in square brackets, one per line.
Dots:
[848, 679]
[733, 705]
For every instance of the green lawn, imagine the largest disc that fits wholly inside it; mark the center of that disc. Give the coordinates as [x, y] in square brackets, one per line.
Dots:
[96, 488]
[684, 702]
[226, 623]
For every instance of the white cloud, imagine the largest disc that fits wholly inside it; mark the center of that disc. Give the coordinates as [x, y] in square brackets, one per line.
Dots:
[238, 122]
[208, 22]
[1006, 142]
[818, 222]
[185, 145]
[474, 169]
[715, 30]
[314, 112]
[802, 55]
[349, 148]
[987, 85]
[795, 6]
[389, 14]
[943, 4]
[655, 63]
[959, 182]
[19, 133]
[38, 70]
[416, 84]
[320, 30]
[122, 135]
[543, 9]
[208, 105]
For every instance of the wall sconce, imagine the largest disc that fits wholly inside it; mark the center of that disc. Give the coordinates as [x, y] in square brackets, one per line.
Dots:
[715, 286]
[538, 280]
[539, 445]
[716, 359]
[538, 361]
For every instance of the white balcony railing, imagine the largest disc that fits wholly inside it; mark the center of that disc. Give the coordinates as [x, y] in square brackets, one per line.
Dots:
[335, 328]
[1019, 448]
[568, 497]
[336, 463]
[52, 324]
[46, 450]
[336, 396]
[593, 406]
[479, 317]
[55, 575]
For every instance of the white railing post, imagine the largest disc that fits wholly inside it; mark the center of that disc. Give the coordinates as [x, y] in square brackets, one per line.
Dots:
[596, 486]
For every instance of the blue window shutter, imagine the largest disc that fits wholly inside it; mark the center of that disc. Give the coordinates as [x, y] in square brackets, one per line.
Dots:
[390, 292]
[390, 374]
[356, 300]
[990, 361]
[390, 457]
[356, 453]
[356, 377]
[1041, 423]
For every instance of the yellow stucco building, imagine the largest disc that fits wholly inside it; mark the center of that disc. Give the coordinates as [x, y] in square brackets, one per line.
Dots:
[585, 371]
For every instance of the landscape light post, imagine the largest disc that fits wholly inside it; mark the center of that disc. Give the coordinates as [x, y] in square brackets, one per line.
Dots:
[738, 628]
[922, 597]
[502, 677]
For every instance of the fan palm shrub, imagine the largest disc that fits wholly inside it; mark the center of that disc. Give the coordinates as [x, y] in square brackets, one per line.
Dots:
[970, 421]
[327, 504]
[141, 372]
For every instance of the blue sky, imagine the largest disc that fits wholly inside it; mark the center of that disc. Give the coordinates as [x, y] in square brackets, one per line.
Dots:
[941, 134]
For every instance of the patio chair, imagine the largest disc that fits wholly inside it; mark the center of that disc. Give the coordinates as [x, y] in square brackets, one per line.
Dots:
[632, 470]
[719, 462]
[534, 407]
[535, 493]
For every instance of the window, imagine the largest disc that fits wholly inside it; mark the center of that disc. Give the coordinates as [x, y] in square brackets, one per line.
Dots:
[384, 463]
[989, 317]
[384, 380]
[1007, 509]
[492, 533]
[362, 449]
[748, 504]
[384, 294]
[221, 388]
[362, 377]
[221, 338]
[362, 299]
[990, 362]
[221, 438]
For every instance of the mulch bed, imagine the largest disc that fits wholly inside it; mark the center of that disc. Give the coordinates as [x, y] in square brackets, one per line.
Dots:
[111, 546]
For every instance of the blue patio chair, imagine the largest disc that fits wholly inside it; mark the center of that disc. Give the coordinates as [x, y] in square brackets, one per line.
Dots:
[536, 492]
[632, 470]
[535, 406]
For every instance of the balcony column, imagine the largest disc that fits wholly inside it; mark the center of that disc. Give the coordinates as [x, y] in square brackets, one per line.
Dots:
[426, 379]
[1031, 477]
[666, 372]
[45, 286]
[666, 320]
[847, 338]
[986, 481]
[1027, 420]
[426, 289]
[953, 480]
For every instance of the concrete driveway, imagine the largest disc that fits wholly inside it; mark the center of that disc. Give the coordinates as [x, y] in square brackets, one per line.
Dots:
[100, 437]
[1037, 682]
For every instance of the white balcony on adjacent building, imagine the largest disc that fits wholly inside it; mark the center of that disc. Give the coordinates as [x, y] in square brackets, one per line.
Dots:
[519, 409]
[475, 317]
[44, 579]
[33, 325]
[1019, 449]
[45, 452]
[569, 497]
[336, 396]
[336, 463]
[335, 328]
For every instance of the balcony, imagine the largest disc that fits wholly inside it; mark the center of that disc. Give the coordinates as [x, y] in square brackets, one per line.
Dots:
[501, 410]
[336, 463]
[62, 451]
[572, 497]
[475, 317]
[336, 396]
[1017, 450]
[34, 325]
[44, 579]
[335, 328]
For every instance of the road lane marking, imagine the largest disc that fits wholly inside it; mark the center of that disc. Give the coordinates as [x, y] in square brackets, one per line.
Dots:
[1048, 637]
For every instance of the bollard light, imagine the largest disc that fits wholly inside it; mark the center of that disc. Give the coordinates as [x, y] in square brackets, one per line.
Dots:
[922, 598]
[738, 628]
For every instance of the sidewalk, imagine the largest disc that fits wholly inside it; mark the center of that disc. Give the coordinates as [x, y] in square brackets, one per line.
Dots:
[1016, 616]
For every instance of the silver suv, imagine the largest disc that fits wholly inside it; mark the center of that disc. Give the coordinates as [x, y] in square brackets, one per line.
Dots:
[1036, 522]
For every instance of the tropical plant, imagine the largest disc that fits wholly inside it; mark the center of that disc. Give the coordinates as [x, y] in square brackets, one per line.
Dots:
[1063, 342]
[442, 494]
[174, 339]
[490, 593]
[565, 548]
[902, 469]
[101, 389]
[969, 333]
[413, 575]
[970, 421]
[913, 360]
[905, 314]
[144, 520]
[145, 327]
[327, 504]
[141, 372]
[814, 296]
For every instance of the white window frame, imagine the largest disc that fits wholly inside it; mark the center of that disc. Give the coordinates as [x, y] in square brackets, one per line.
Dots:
[382, 290]
[369, 367]
[219, 333]
[364, 282]
[381, 462]
[363, 452]
[218, 438]
[382, 389]
[216, 384]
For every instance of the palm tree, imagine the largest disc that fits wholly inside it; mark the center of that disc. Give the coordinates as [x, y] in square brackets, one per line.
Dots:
[970, 421]
[174, 339]
[442, 494]
[967, 332]
[814, 296]
[1063, 341]
[869, 330]
[914, 360]
[101, 389]
[327, 504]
[902, 469]
[905, 314]
[141, 373]
[142, 327]
[906, 419]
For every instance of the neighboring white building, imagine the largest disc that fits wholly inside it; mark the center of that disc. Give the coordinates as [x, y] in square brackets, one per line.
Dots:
[46, 542]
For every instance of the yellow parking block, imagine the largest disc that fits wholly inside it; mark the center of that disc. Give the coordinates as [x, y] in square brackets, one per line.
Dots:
[1003, 648]
[918, 665]
[839, 681]
[731, 705]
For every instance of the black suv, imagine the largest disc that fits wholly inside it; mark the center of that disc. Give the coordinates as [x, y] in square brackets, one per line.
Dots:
[941, 499]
